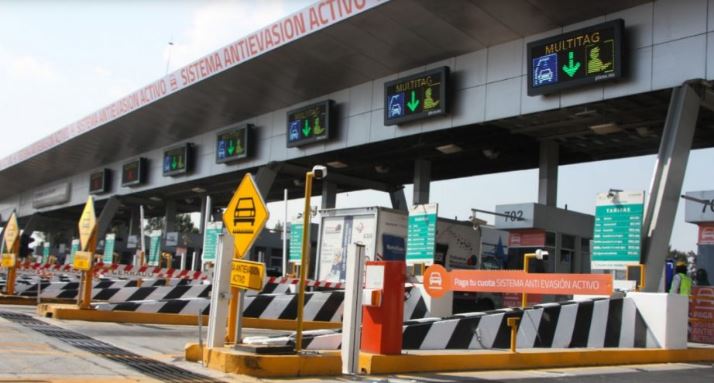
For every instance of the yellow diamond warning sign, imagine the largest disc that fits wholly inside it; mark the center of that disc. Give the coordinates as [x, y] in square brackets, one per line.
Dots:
[247, 274]
[245, 216]
[82, 260]
[12, 231]
[87, 224]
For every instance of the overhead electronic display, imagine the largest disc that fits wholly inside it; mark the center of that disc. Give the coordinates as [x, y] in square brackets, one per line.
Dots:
[177, 161]
[233, 144]
[416, 97]
[310, 124]
[577, 58]
[99, 181]
[133, 173]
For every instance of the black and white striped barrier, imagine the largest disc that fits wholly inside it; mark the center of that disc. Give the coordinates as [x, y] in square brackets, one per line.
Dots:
[319, 306]
[573, 324]
[29, 288]
[324, 306]
[124, 294]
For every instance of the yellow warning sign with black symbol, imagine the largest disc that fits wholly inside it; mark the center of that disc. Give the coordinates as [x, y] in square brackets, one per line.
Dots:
[245, 215]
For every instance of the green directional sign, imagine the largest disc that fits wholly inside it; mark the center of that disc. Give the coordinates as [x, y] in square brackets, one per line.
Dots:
[421, 233]
[617, 233]
[109, 244]
[45, 252]
[154, 247]
[416, 97]
[310, 124]
[210, 241]
[178, 160]
[296, 233]
[73, 249]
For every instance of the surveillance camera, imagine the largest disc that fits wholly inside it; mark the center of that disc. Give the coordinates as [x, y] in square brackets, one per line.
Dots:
[319, 172]
[541, 254]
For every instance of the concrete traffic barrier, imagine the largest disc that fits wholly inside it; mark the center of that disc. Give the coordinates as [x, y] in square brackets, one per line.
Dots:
[597, 323]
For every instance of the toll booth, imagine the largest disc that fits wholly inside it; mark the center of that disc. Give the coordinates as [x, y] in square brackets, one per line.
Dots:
[565, 234]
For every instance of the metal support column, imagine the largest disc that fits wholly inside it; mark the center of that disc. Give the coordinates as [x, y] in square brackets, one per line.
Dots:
[422, 180]
[265, 178]
[329, 195]
[548, 173]
[399, 199]
[170, 216]
[666, 186]
[104, 222]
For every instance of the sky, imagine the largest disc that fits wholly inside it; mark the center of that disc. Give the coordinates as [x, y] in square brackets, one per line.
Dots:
[61, 60]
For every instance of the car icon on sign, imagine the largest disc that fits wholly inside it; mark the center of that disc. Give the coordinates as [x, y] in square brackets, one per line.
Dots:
[245, 212]
[545, 75]
[435, 280]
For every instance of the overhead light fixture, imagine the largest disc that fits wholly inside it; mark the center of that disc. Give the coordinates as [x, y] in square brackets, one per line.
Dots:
[585, 113]
[155, 198]
[607, 128]
[337, 164]
[449, 148]
[643, 131]
[381, 169]
[198, 190]
[491, 154]
[298, 182]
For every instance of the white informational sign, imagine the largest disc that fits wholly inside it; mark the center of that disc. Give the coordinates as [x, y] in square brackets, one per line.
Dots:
[374, 277]
[515, 216]
[172, 238]
[132, 242]
[337, 239]
[699, 207]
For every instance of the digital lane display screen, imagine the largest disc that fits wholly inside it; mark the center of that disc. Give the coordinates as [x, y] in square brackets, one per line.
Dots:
[133, 173]
[310, 124]
[177, 161]
[233, 144]
[99, 181]
[416, 97]
[577, 58]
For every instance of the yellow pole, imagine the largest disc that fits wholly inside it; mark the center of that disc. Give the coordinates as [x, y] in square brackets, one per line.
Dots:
[526, 258]
[513, 324]
[305, 261]
[88, 275]
[232, 316]
[11, 271]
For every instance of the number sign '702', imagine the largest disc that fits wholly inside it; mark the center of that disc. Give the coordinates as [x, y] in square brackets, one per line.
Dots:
[513, 215]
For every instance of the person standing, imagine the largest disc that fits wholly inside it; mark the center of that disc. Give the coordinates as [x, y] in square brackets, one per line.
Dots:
[681, 283]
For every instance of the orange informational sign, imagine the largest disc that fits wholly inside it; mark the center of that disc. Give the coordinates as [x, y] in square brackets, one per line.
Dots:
[701, 314]
[438, 281]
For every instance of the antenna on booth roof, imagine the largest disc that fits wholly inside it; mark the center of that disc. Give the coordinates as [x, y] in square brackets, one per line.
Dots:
[168, 59]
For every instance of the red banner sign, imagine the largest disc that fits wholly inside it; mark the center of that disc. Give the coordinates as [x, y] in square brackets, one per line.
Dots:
[706, 234]
[438, 281]
[701, 314]
[526, 238]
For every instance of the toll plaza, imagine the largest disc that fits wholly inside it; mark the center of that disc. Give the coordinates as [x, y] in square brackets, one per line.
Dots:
[380, 95]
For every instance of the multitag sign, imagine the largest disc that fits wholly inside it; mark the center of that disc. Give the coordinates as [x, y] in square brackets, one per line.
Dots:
[576, 58]
[415, 97]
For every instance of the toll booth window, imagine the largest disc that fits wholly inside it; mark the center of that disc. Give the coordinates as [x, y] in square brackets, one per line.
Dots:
[567, 247]
[550, 239]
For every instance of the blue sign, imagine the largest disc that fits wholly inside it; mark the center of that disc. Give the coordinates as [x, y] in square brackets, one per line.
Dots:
[221, 149]
[394, 248]
[545, 70]
[396, 105]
